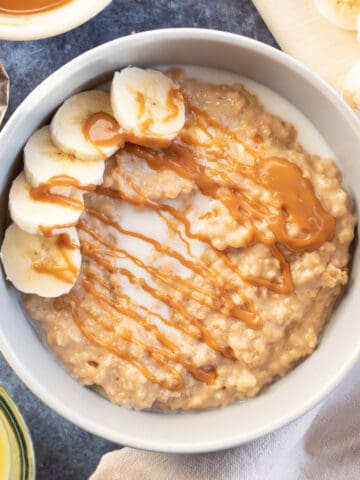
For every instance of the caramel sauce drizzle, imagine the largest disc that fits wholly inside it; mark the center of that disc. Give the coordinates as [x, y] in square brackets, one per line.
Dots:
[195, 267]
[225, 305]
[63, 240]
[193, 333]
[61, 303]
[172, 281]
[141, 101]
[42, 193]
[174, 99]
[67, 272]
[102, 130]
[173, 304]
[221, 299]
[49, 231]
[285, 180]
[171, 351]
[298, 202]
[295, 203]
[156, 353]
[253, 318]
[158, 207]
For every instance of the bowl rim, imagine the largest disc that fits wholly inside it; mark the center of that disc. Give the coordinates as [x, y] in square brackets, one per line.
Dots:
[50, 22]
[236, 438]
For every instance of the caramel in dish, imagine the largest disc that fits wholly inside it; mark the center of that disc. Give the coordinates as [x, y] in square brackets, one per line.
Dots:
[298, 205]
[25, 7]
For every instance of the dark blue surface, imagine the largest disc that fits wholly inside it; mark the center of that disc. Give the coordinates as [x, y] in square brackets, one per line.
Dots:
[63, 451]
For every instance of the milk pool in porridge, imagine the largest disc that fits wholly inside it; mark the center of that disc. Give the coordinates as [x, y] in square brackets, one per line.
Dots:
[210, 261]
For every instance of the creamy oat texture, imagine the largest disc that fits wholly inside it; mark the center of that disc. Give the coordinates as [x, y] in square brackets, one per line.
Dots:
[291, 322]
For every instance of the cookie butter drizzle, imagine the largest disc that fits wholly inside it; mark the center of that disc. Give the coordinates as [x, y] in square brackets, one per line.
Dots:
[102, 130]
[43, 193]
[67, 271]
[296, 204]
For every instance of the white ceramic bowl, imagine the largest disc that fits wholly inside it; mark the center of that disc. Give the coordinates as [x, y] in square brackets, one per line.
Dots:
[284, 400]
[49, 23]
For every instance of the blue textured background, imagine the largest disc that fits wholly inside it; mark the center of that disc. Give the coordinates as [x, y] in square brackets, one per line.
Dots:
[63, 451]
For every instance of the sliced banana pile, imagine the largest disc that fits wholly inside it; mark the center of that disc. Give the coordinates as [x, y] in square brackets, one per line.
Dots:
[41, 249]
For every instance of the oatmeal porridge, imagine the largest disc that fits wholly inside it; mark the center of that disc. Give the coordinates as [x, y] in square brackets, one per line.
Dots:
[210, 263]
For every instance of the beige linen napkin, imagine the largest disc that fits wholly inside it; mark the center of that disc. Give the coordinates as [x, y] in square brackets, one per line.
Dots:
[303, 33]
[325, 443]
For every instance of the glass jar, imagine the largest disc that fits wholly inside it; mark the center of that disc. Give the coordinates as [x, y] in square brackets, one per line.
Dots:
[17, 459]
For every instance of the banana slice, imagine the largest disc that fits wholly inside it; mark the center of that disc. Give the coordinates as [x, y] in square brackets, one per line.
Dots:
[351, 89]
[43, 161]
[38, 212]
[67, 126]
[46, 266]
[148, 106]
[342, 13]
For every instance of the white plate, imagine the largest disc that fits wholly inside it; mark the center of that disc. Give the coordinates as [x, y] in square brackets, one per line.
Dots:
[286, 399]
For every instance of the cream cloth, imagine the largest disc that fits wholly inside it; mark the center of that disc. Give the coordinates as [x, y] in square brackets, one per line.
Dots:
[325, 443]
[303, 33]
